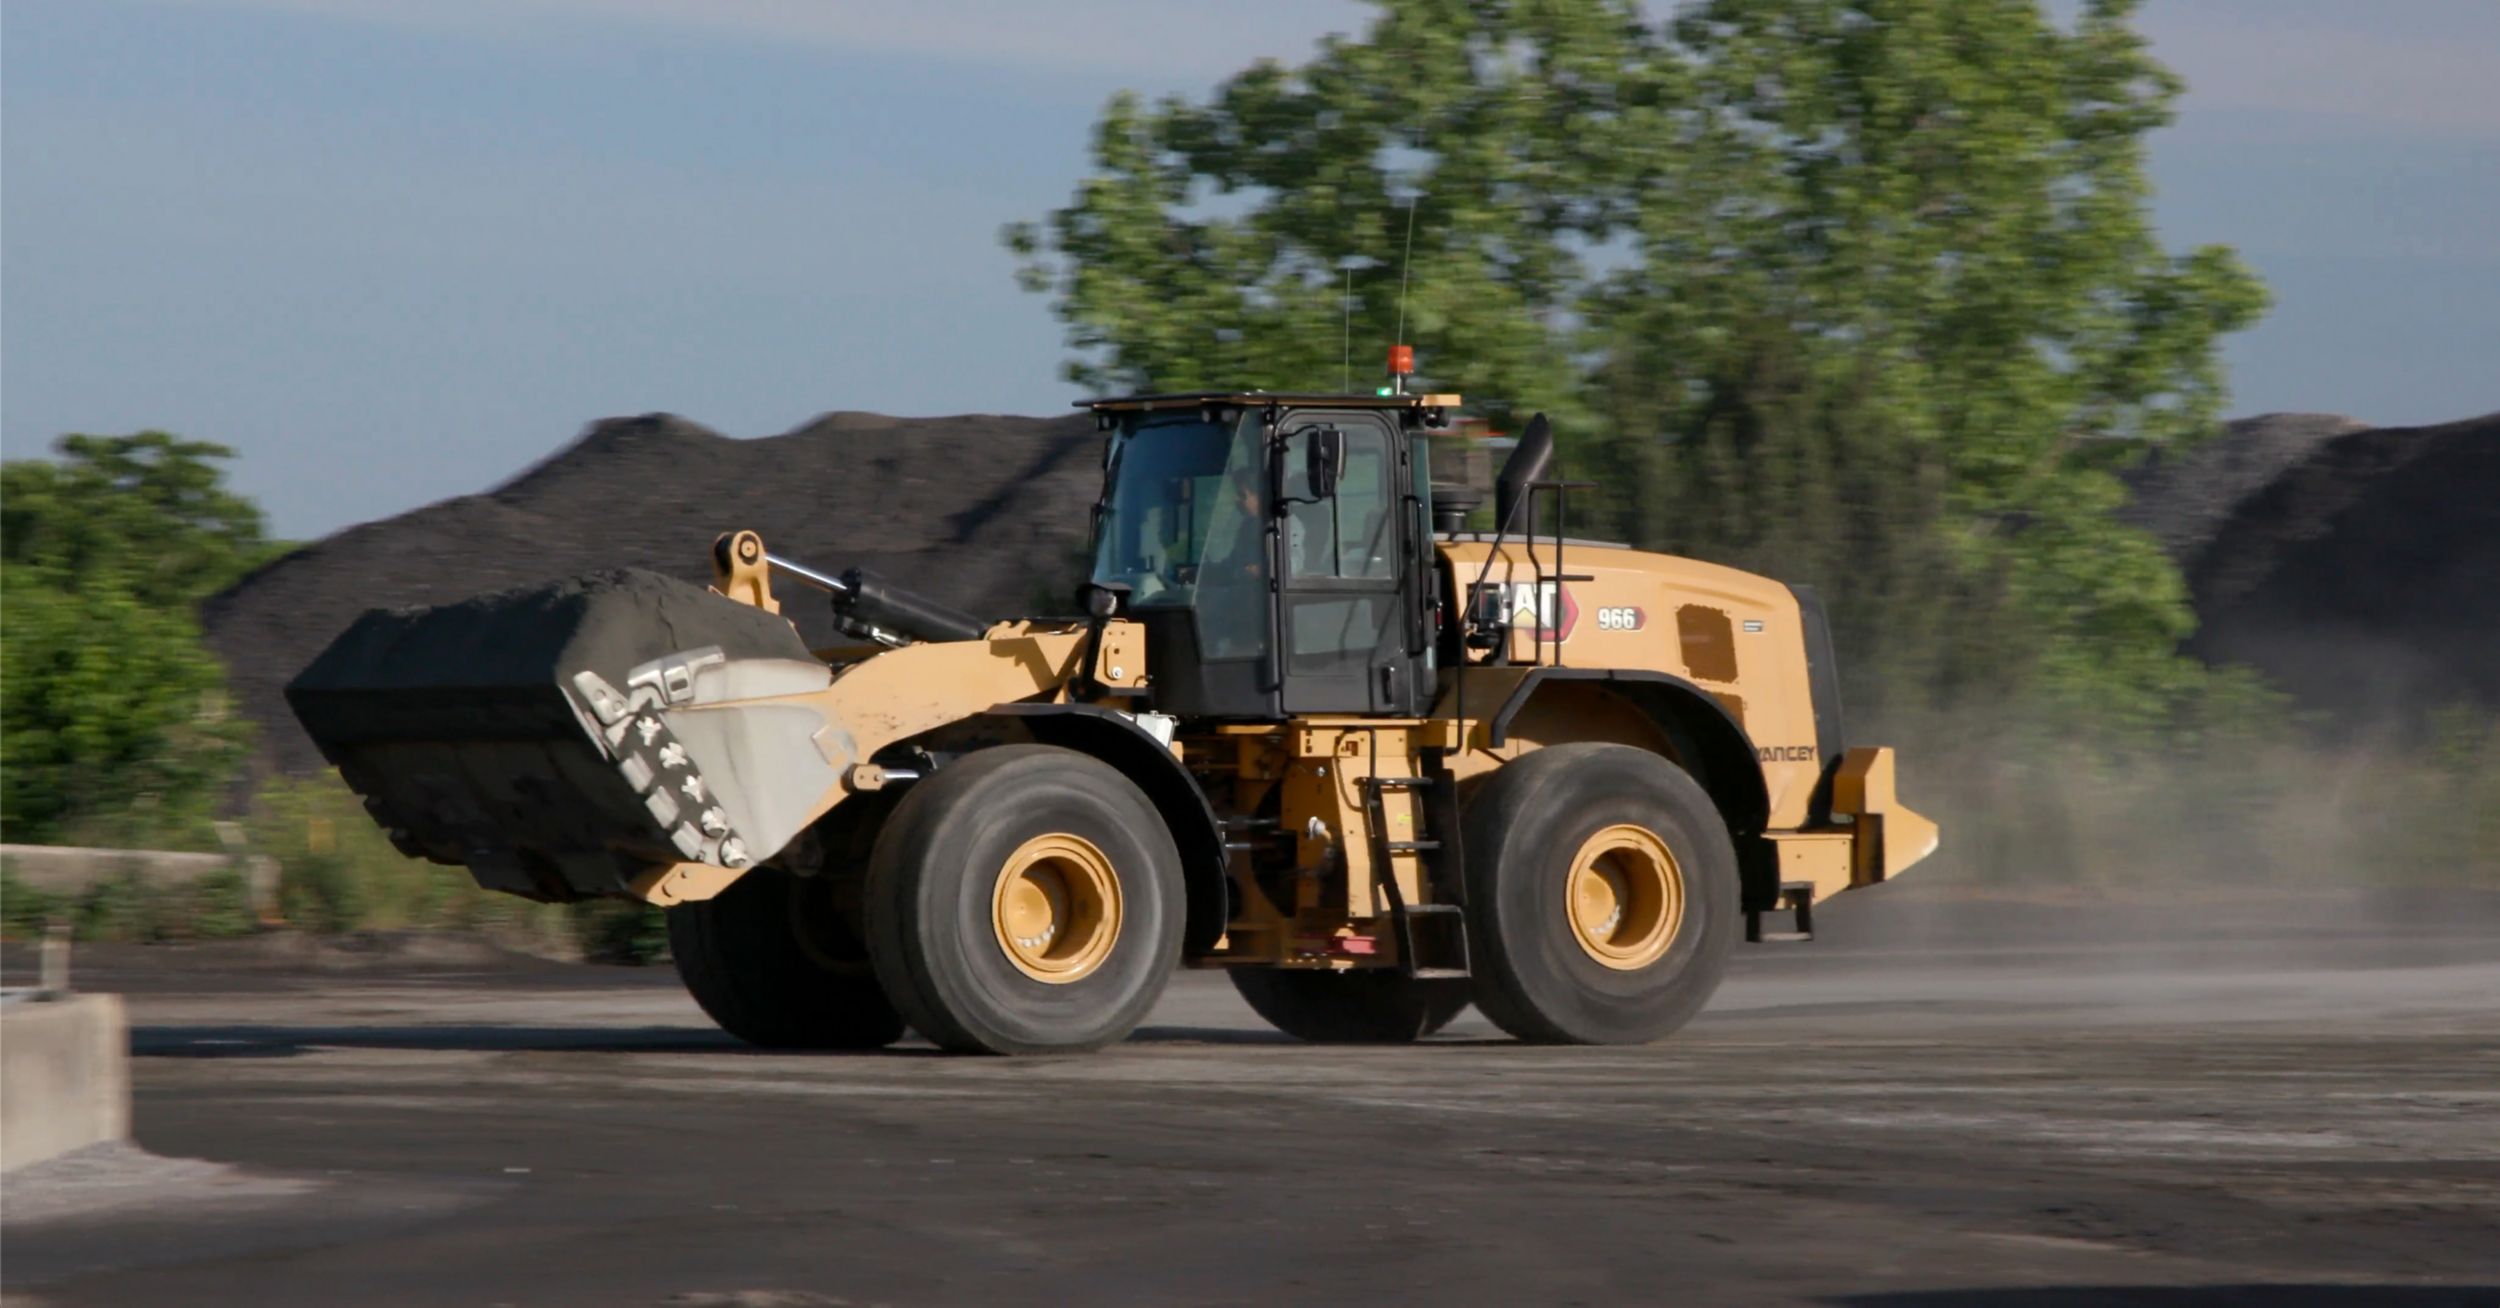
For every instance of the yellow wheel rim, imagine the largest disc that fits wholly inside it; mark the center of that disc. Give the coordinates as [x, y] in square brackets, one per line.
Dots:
[1056, 908]
[1625, 897]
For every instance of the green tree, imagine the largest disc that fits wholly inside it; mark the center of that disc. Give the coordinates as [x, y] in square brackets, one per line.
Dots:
[150, 512]
[113, 716]
[1447, 174]
[1912, 239]
[1859, 292]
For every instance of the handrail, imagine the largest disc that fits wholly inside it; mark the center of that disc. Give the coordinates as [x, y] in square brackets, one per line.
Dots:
[1493, 552]
[830, 585]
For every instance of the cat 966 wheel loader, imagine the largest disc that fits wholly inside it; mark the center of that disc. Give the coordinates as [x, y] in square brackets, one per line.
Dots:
[1310, 729]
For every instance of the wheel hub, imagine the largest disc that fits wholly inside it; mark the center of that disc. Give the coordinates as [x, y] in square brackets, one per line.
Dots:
[1624, 897]
[1056, 908]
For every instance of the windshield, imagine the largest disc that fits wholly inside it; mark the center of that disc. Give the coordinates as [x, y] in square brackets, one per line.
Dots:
[1183, 504]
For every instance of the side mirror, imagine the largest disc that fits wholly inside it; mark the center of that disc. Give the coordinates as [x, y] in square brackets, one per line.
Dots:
[1323, 458]
[1488, 615]
[1101, 601]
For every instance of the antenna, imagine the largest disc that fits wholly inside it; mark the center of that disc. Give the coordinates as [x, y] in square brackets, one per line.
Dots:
[1348, 302]
[1406, 262]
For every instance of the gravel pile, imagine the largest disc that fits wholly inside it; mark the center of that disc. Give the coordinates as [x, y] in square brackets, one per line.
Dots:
[2185, 498]
[984, 513]
[2358, 567]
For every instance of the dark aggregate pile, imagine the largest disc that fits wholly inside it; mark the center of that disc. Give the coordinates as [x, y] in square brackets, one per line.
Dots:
[2358, 567]
[2185, 499]
[984, 513]
[500, 663]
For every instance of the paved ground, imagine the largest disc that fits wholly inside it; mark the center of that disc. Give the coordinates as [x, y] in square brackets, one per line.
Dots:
[1935, 1104]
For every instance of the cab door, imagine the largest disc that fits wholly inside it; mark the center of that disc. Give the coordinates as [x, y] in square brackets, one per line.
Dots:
[1345, 585]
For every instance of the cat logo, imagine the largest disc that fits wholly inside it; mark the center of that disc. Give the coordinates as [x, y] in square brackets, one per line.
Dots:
[1543, 609]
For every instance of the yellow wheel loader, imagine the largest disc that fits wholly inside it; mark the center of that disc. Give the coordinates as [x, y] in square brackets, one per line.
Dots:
[1310, 729]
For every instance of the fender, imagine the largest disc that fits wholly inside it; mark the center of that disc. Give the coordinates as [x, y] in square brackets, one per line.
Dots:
[1709, 742]
[1116, 739]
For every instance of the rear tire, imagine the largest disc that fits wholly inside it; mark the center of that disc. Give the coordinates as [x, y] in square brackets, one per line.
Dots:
[771, 961]
[1372, 1006]
[1602, 895]
[1025, 899]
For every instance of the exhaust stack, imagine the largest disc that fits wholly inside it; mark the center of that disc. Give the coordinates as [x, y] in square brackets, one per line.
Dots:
[1526, 466]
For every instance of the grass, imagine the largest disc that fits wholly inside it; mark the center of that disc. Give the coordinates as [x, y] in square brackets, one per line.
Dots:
[131, 906]
[2226, 812]
[2229, 811]
[337, 874]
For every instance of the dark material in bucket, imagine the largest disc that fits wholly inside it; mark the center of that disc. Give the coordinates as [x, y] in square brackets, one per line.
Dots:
[457, 726]
[498, 665]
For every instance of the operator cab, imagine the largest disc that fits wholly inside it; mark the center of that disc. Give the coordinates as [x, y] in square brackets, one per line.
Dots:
[1277, 549]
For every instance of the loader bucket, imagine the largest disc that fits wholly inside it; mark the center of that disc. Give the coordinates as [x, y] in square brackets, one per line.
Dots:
[561, 740]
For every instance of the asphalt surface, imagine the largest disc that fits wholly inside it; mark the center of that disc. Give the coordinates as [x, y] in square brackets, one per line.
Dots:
[1937, 1103]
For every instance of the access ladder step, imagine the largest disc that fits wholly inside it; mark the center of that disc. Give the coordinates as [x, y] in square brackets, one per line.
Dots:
[1398, 781]
[1432, 941]
[1796, 898]
[1412, 846]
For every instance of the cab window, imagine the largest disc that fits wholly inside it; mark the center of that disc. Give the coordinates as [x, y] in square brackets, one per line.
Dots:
[1352, 534]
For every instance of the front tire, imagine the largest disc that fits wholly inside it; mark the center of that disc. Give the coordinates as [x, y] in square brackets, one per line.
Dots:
[773, 962]
[1602, 895]
[1370, 1006]
[1025, 899]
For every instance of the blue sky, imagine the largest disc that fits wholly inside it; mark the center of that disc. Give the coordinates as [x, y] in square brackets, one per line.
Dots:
[393, 250]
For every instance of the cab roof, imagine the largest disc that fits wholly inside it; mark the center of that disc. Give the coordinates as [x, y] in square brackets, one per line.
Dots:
[1199, 399]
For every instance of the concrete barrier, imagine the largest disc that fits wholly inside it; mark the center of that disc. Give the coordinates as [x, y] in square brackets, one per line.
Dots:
[64, 1075]
[76, 869]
